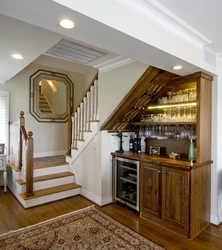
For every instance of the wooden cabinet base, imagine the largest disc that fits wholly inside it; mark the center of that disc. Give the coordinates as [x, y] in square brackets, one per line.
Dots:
[160, 225]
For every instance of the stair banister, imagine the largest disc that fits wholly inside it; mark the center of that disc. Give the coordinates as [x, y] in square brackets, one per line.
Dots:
[86, 112]
[25, 155]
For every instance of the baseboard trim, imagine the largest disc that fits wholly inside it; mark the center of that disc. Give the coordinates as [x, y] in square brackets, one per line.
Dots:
[91, 196]
[216, 219]
[96, 199]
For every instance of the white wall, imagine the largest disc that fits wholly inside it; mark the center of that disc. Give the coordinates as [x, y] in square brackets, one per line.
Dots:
[115, 84]
[90, 74]
[49, 138]
[113, 87]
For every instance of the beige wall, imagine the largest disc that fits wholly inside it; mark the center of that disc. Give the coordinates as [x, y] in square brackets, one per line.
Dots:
[49, 138]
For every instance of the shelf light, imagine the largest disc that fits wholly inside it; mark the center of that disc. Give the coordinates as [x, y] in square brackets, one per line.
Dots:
[177, 67]
[173, 105]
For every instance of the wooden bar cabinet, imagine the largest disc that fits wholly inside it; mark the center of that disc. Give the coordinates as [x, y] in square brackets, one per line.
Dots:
[175, 193]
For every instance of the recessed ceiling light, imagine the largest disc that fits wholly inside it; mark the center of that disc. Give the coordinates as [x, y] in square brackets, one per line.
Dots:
[67, 24]
[177, 67]
[17, 56]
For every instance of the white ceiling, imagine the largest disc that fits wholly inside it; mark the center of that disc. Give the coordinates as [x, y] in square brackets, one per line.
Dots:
[31, 28]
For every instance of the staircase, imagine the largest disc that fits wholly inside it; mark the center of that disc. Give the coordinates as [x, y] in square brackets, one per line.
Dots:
[44, 106]
[50, 180]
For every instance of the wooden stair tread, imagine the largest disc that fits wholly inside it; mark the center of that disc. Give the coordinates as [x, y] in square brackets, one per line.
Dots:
[48, 165]
[47, 177]
[13, 166]
[52, 190]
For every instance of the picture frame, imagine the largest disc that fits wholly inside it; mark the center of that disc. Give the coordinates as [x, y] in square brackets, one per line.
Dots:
[2, 148]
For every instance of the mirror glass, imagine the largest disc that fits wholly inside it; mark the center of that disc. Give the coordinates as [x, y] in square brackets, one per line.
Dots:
[51, 96]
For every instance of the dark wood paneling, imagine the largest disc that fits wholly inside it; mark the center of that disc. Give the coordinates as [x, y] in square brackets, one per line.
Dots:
[175, 197]
[150, 189]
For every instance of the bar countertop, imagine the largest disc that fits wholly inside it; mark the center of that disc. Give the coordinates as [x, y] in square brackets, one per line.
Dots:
[161, 160]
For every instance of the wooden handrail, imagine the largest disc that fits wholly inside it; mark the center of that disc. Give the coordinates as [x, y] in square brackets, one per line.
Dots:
[24, 132]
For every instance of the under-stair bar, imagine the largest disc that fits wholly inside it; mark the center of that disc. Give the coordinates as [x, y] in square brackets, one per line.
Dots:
[25, 155]
[86, 112]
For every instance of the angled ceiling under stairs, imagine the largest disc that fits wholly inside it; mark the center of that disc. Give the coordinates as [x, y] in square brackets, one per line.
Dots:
[151, 85]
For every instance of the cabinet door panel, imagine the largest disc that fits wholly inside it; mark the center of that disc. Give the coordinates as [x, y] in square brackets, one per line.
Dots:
[175, 198]
[151, 189]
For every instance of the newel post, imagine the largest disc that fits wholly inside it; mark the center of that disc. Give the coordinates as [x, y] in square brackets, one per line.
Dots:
[20, 140]
[29, 165]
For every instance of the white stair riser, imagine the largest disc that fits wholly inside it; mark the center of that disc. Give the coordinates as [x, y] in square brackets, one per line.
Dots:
[51, 197]
[51, 170]
[53, 183]
[46, 183]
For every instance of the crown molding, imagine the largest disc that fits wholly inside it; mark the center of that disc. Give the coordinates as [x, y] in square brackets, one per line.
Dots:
[156, 14]
[113, 63]
[3, 80]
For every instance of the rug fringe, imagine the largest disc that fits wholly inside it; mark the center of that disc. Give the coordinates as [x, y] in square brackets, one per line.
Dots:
[57, 217]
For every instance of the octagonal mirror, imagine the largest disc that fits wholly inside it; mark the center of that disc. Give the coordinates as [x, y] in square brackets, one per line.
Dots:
[51, 96]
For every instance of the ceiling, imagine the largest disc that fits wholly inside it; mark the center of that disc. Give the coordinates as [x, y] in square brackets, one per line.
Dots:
[31, 28]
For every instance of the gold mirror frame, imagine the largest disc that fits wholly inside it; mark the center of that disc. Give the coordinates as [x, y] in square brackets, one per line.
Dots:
[63, 80]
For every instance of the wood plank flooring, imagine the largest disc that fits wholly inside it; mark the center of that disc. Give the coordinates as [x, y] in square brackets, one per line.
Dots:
[13, 216]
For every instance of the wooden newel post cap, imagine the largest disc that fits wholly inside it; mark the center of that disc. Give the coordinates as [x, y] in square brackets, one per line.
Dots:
[21, 113]
[30, 133]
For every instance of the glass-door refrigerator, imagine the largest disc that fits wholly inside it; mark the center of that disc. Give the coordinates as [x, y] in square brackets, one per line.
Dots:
[126, 182]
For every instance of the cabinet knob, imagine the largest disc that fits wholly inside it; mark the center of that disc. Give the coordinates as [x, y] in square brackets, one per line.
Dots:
[162, 172]
[159, 171]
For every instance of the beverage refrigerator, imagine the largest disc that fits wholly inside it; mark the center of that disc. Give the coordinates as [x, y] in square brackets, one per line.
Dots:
[126, 182]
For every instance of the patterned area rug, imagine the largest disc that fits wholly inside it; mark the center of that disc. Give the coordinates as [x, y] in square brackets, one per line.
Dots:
[87, 228]
[49, 159]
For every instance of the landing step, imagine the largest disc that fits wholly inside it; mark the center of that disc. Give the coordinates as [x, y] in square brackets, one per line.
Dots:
[47, 177]
[52, 190]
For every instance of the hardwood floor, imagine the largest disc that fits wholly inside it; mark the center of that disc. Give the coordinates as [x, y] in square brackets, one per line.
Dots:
[13, 216]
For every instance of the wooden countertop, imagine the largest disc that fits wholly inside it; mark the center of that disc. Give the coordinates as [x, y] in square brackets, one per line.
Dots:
[161, 160]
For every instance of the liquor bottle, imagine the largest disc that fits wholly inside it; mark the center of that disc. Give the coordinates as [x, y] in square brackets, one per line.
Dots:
[135, 144]
[191, 155]
[139, 144]
[131, 143]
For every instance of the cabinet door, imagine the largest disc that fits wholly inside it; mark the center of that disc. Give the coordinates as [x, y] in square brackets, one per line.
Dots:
[150, 190]
[175, 196]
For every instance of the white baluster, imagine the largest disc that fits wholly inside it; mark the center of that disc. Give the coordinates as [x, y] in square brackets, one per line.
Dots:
[96, 113]
[81, 120]
[92, 103]
[88, 111]
[78, 123]
[85, 113]
[76, 129]
[73, 130]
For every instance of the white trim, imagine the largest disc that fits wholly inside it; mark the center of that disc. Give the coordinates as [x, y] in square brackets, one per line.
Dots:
[158, 15]
[216, 219]
[6, 94]
[113, 63]
[90, 196]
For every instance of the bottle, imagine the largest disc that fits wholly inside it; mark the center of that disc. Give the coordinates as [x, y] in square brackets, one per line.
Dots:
[139, 144]
[191, 155]
[135, 144]
[131, 143]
